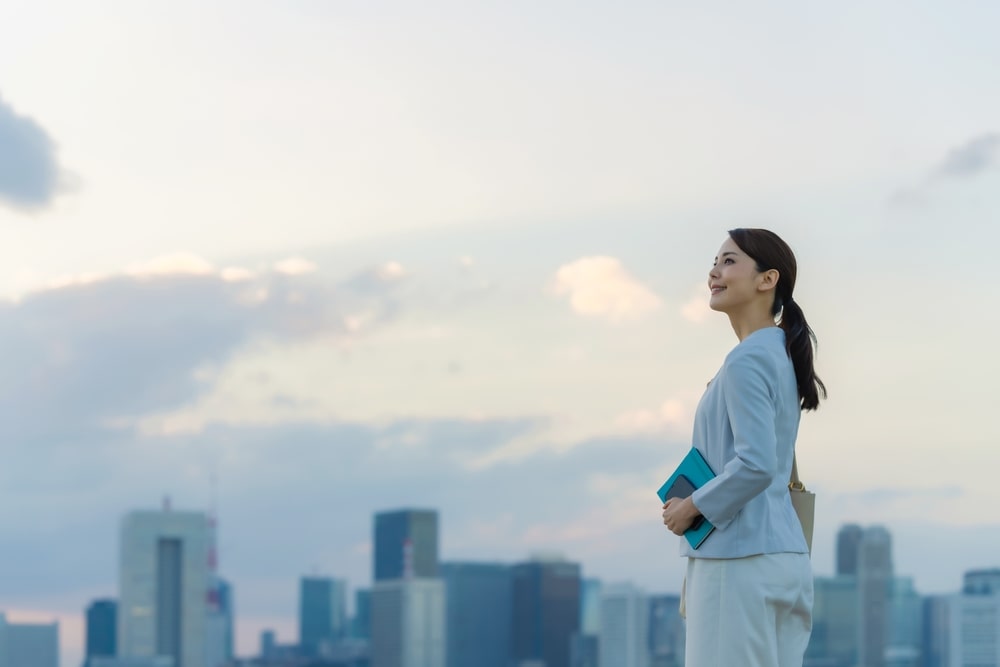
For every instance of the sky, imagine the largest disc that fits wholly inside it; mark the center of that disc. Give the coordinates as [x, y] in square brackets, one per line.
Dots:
[300, 262]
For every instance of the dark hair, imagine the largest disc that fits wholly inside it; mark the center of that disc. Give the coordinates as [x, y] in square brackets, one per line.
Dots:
[769, 252]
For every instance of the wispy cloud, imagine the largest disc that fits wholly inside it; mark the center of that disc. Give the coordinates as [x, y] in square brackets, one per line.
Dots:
[971, 158]
[29, 173]
[94, 349]
[295, 266]
[601, 287]
[696, 308]
[964, 162]
[673, 416]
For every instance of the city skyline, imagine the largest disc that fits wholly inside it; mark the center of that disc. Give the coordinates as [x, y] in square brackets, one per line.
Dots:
[296, 263]
[286, 629]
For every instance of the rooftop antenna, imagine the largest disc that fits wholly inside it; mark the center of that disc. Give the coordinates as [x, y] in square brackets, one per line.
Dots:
[212, 594]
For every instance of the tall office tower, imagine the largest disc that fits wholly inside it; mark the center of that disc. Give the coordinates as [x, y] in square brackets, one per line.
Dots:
[934, 649]
[981, 582]
[585, 645]
[906, 624]
[546, 611]
[478, 614]
[322, 614]
[227, 605]
[874, 587]
[974, 624]
[848, 541]
[102, 629]
[393, 530]
[624, 639]
[361, 624]
[666, 631]
[590, 607]
[164, 583]
[268, 643]
[584, 651]
[220, 622]
[408, 623]
[836, 628]
[28, 644]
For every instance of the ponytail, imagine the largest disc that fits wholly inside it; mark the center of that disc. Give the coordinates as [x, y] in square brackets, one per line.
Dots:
[800, 342]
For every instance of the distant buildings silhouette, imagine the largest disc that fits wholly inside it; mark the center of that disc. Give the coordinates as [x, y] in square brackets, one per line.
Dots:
[174, 610]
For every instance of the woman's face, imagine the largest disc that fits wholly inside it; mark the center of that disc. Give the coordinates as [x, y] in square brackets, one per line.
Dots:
[734, 280]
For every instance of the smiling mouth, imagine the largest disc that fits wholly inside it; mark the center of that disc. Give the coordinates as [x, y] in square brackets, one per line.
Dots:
[716, 290]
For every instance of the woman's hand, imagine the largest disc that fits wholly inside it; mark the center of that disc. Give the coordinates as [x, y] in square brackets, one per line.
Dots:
[678, 515]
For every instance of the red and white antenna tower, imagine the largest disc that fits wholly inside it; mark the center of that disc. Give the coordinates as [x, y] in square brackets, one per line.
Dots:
[212, 595]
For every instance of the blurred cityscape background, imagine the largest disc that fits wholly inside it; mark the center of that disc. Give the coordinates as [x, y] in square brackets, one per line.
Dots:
[175, 609]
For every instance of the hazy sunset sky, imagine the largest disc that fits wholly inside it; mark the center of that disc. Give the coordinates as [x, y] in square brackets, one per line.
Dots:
[343, 257]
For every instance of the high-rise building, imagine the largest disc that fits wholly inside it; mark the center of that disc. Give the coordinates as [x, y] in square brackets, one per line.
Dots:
[590, 607]
[268, 643]
[478, 613]
[906, 624]
[227, 607]
[28, 644]
[322, 614]
[874, 589]
[584, 651]
[408, 623]
[981, 582]
[624, 638]
[219, 624]
[934, 648]
[666, 631]
[848, 541]
[585, 645]
[164, 586]
[974, 626]
[546, 611]
[406, 539]
[102, 629]
[835, 631]
[361, 623]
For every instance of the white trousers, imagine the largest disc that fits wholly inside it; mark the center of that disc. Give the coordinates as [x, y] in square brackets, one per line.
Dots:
[748, 612]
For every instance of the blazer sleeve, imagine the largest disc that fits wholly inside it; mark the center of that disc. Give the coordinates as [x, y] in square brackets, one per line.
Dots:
[750, 396]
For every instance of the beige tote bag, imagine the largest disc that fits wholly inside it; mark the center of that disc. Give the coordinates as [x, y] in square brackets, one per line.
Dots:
[804, 503]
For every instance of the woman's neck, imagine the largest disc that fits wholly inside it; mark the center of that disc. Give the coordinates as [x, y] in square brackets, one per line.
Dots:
[750, 322]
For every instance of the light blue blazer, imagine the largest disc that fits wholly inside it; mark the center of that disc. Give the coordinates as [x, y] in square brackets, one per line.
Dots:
[745, 427]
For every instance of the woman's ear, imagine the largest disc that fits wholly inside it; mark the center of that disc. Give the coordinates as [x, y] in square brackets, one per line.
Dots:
[768, 280]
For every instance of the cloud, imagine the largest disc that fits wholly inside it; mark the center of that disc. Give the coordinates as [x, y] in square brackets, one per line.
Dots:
[964, 162]
[971, 158]
[378, 278]
[294, 266]
[696, 309]
[29, 173]
[601, 287]
[268, 476]
[673, 416]
[183, 263]
[100, 348]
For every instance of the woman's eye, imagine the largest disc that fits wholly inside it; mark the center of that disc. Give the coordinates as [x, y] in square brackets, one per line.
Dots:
[729, 260]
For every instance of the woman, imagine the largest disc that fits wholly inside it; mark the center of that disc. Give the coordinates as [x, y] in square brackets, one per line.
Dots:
[749, 585]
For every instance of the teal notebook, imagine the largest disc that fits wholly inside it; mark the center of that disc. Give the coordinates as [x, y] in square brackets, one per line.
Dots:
[691, 474]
